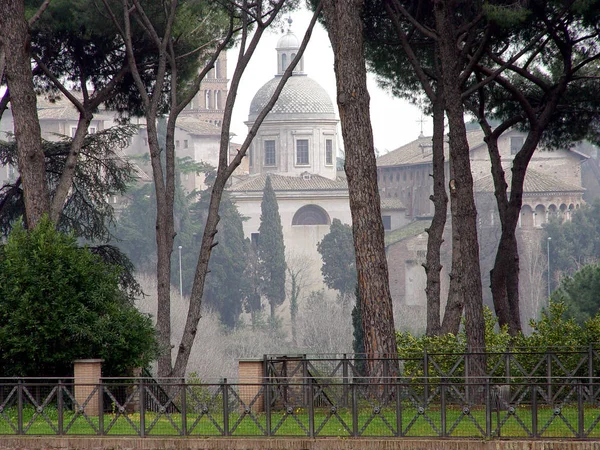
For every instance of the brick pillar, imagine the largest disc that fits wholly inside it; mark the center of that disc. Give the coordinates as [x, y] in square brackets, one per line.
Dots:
[250, 371]
[87, 374]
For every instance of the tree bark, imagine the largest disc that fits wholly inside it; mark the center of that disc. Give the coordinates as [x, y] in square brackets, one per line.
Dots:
[464, 213]
[225, 170]
[439, 198]
[344, 25]
[15, 41]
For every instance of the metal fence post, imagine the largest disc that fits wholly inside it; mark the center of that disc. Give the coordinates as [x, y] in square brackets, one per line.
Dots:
[580, 410]
[354, 410]
[225, 388]
[20, 407]
[345, 380]
[183, 407]
[398, 410]
[590, 369]
[386, 375]
[467, 378]
[443, 407]
[488, 410]
[60, 406]
[142, 408]
[311, 408]
[534, 421]
[426, 374]
[549, 377]
[100, 408]
[267, 397]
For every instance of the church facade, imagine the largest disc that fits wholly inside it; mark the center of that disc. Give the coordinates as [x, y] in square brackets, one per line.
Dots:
[296, 147]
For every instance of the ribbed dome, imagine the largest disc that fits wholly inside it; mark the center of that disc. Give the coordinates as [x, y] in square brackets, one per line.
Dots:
[288, 40]
[301, 95]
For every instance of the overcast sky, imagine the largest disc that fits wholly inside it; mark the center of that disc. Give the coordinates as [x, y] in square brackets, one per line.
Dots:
[395, 121]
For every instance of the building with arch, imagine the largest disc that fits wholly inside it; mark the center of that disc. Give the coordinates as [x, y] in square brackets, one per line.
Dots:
[553, 188]
[296, 147]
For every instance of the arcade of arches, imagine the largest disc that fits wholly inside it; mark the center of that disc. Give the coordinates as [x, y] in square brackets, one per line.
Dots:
[535, 215]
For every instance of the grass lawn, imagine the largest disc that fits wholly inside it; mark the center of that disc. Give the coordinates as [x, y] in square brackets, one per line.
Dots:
[326, 423]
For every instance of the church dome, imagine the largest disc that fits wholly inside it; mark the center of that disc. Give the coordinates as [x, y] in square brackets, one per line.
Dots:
[288, 40]
[301, 95]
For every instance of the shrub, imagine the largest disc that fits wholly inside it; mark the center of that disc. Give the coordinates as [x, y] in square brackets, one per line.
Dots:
[553, 333]
[59, 302]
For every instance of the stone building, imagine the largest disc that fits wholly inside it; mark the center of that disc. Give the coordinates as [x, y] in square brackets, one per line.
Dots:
[296, 147]
[197, 133]
[553, 187]
[58, 118]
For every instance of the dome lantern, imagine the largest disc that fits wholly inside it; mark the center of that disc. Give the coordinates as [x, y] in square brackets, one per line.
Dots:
[287, 48]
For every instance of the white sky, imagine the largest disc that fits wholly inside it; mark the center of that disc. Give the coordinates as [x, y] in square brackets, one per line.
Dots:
[394, 121]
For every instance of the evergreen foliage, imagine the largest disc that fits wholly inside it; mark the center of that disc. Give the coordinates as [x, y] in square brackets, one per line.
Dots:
[59, 302]
[135, 231]
[339, 262]
[553, 332]
[271, 250]
[226, 287]
[358, 342]
[580, 293]
[101, 173]
[574, 243]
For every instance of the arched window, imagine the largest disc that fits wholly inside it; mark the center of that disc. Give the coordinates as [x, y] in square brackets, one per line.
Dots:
[217, 99]
[541, 215]
[311, 215]
[283, 62]
[527, 217]
[207, 99]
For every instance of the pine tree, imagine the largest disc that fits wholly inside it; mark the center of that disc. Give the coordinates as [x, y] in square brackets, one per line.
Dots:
[225, 284]
[271, 250]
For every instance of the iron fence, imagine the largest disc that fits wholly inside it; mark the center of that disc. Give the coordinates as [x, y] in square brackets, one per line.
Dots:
[306, 406]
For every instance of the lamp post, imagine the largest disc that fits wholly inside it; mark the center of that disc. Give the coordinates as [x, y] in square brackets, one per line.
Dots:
[180, 276]
[548, 247]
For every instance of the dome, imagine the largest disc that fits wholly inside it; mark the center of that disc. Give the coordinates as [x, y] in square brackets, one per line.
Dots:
[301, 95]
[288, 40]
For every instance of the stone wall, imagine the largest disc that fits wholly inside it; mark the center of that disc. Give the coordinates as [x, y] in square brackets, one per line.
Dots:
[122, 443]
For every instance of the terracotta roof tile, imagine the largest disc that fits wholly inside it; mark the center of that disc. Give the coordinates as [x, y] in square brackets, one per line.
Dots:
[419, 151]
[309, 182]
[534, 182]
[388, 204]
[194, 125]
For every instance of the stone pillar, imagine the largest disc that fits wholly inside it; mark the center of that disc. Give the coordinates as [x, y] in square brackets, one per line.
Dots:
[87, 373]
[250, 371]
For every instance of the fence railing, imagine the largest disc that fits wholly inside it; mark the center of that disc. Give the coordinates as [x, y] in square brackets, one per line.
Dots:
[559, 407]
[540, 365]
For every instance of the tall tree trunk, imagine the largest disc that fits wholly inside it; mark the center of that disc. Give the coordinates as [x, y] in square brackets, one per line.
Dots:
[165, 234]
[464, 215]
[225, 170]
[15, 41]
[455, 302]
[439, 198]
[344, 25]
[500, 269]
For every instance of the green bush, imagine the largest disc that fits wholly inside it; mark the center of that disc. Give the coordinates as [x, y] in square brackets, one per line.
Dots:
[59, 302]
[553, 336]
[445, 351]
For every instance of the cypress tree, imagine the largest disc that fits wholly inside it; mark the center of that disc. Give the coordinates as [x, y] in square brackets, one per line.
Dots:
[358, 343]
[225, 287]
[271, 250]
